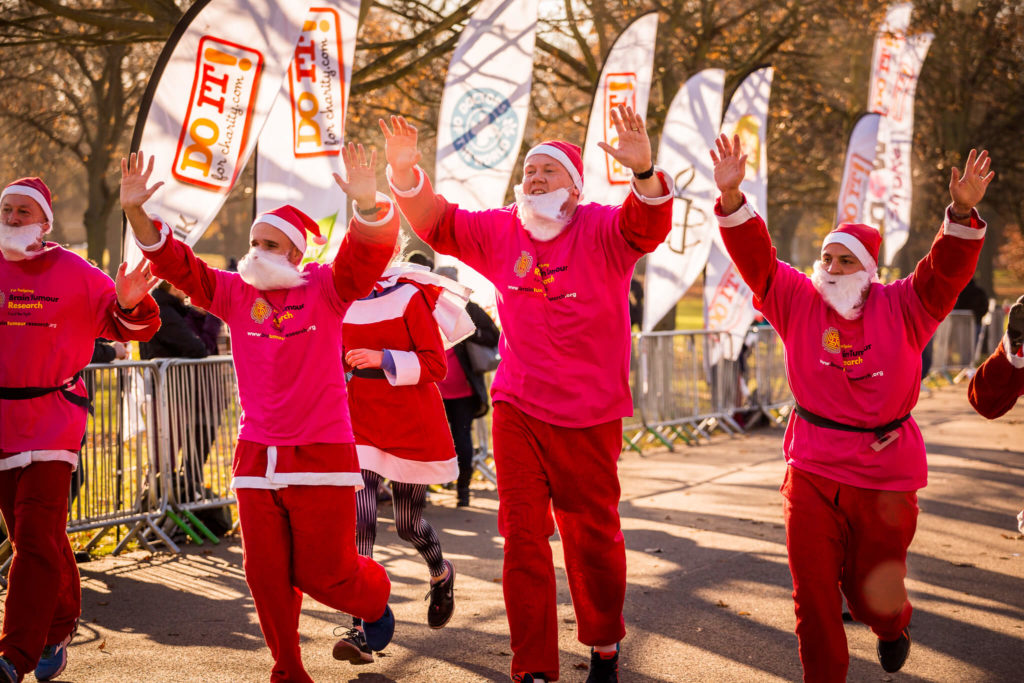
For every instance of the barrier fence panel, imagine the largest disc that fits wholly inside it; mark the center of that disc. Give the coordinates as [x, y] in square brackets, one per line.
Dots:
[115, 483]
[953, 345]
[767, 385]
[198, 426]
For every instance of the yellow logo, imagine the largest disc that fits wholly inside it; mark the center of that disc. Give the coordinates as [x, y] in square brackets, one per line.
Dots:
[523, 264]
[261, 310]
[830, 340]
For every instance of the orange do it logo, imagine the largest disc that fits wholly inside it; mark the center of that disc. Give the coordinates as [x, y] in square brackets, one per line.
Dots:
[523, 264]
[216, 128]
[830, 340]
[261, 310]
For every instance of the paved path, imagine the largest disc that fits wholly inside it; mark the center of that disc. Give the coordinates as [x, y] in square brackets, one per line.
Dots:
[709, 588]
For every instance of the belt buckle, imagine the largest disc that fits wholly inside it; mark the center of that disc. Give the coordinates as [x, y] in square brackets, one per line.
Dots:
[886, 440]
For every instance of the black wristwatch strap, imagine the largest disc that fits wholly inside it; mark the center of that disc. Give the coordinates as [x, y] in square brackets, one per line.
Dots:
[645, 175]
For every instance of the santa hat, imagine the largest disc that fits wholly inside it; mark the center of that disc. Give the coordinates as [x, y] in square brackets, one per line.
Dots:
[863, 240]
[292, 223]
[35, 189]
[565, 153]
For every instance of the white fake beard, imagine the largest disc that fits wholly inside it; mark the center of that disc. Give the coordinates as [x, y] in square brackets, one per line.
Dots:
[16, 240]
[266, 271]
[541, 214]
[844, 293]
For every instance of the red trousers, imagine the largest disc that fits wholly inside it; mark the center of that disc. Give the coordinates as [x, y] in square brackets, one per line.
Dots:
[44, 597]
[844, 538]
[540, 467]
[302, 539]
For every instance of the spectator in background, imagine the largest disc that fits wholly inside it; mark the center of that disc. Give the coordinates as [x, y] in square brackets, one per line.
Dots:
[974, 299]
[188, 332]
[464, 390]
[636, 302]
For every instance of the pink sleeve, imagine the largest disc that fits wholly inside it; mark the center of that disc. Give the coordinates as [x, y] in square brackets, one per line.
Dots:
[947, 268]
[750, 247]
[364, 253]
[175, 262]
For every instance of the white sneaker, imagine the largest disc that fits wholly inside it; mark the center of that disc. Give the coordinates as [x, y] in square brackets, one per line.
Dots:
[1020, 521]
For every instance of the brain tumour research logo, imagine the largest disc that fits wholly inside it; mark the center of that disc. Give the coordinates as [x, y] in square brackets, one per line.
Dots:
[260, 310]
[830, 340]
[484, 128]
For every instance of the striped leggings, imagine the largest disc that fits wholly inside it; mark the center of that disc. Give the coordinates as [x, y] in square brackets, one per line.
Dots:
[409, 501]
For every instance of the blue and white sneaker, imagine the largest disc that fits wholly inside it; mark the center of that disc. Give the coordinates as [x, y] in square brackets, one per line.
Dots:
[379, 633]
[53, 660]
[8, 674]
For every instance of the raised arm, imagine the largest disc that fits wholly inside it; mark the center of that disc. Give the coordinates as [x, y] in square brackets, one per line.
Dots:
[431, 217]
[646, 218]
[369, 244]
[171, 259]
[941, 275]
[999, 382]
[744, 233]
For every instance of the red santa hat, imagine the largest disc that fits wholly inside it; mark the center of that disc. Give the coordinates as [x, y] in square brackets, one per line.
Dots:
[35, 189]
[567, 154]
[292, 223]
[863, 240]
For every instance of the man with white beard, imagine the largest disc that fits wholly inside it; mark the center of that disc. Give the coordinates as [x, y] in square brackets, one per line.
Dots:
[53, 306]
[562, 272]
[855, 455]
[295, 467]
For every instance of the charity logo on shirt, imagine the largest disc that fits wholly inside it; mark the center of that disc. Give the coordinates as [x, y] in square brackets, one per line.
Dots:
[523, 264]
[830, 340]
[261, 311]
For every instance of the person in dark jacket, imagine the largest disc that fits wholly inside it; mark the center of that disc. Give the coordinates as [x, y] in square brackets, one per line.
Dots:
[187, 332]
[464, 390]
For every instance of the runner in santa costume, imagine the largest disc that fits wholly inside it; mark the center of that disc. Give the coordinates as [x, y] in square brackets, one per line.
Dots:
[53, 306]
[999, 382]
[853, 357]
[295, 466]
[561, 270]
[395, 341]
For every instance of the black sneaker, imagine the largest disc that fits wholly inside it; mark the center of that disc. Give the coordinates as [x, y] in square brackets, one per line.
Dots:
[442, 600]
[893, 653]
[528, 678]
[604, 669]
[352, 648]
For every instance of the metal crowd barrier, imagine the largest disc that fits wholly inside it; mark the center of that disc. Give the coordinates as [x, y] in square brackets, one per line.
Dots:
[956, 345]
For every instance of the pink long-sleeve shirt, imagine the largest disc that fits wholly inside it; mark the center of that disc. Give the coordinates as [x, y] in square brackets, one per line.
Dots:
[287, 349]
[52, 309]
[563, 304]
[864, 372]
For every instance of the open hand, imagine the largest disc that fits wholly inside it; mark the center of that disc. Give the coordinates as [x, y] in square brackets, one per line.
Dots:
[364, 358]
[967, 190]
[134, 181]
[400, 144]
[634, 149]
[361, 185]
[133, 287]
[730, 164]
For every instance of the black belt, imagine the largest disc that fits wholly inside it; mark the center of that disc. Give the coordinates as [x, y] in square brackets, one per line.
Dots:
[26, 393]
[819, 421]
[367, 373]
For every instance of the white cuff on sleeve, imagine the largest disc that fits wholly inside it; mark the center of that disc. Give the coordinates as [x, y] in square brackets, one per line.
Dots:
[1015, 360]
[165, 231]
[737, 217]
[959, 229]
[381, 198]
[654, 201]
[407, 368]
[411, 192]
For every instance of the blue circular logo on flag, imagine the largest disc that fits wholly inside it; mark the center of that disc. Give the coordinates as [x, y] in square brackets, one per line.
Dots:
[484, 128]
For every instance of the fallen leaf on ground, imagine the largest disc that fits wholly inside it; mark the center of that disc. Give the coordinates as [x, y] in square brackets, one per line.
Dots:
[721, 603]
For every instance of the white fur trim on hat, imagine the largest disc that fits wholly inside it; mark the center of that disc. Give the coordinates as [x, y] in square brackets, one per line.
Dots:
[31, 193]
[854, 245]
[562, 158]
[297, 237]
